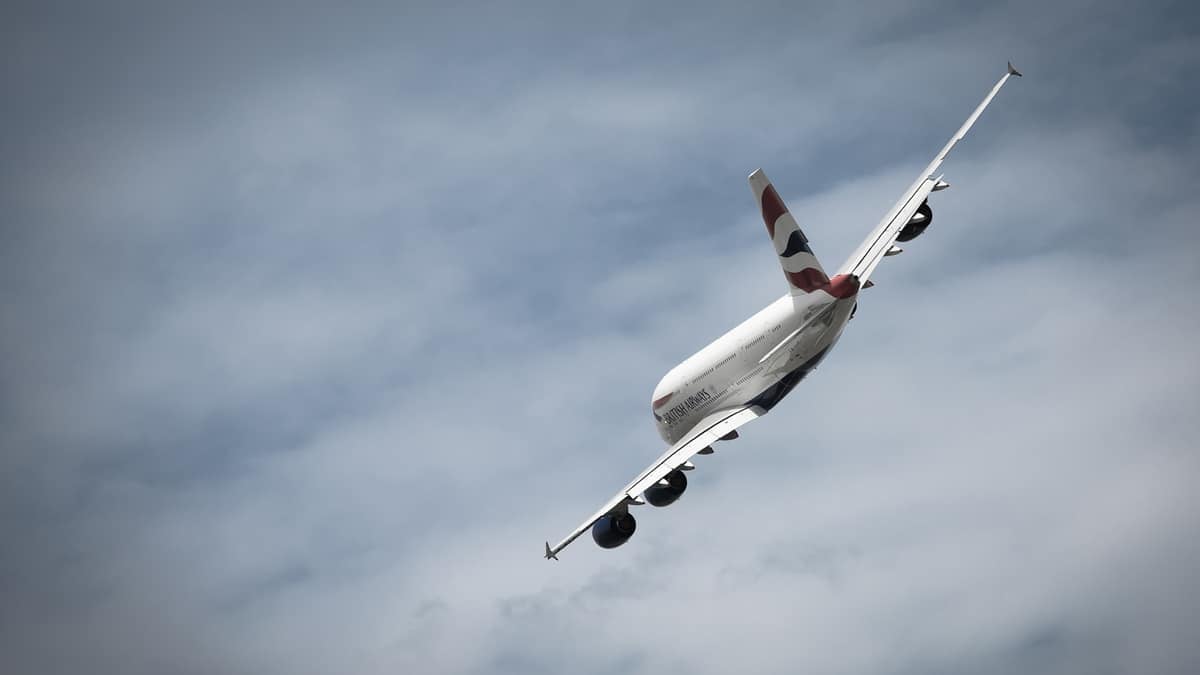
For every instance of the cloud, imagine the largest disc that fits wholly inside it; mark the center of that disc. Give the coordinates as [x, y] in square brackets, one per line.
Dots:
[319, 323]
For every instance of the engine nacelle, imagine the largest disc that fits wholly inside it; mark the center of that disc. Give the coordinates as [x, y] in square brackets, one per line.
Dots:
[614, 529]
[920, 220]
[662, 495]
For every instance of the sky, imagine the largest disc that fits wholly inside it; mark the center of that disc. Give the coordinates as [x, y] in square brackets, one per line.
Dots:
[319, 320]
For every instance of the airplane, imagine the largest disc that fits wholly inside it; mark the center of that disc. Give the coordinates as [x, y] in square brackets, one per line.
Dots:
[746, 372]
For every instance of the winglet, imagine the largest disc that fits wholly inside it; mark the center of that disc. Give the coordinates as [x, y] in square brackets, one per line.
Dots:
[1013, 71]
[550, 554]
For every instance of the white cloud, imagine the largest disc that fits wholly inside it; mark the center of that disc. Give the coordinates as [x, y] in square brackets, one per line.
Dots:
[302, 386]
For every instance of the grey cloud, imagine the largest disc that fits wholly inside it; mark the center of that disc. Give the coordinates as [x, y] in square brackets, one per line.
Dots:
[317, 323]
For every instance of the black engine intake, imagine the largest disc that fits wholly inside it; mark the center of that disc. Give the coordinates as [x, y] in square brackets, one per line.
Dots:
[614, 529]
[920, 220]
[662, 495]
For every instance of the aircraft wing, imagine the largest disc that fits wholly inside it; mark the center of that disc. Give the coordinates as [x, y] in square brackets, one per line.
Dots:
[864, 260]
[708, 431]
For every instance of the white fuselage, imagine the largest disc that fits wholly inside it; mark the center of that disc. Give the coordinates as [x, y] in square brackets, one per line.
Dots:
[757, 362]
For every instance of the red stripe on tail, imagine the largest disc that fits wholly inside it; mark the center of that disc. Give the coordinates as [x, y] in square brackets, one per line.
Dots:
[772, 208]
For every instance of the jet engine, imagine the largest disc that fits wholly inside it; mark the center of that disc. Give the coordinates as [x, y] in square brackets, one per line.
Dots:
[664, 494]
[614, 529]
[920, 220]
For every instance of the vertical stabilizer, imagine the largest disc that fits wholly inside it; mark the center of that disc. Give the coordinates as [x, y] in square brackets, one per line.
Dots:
[801, 268]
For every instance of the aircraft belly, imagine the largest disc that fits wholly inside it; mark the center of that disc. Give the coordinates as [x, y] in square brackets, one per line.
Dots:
[811, 347]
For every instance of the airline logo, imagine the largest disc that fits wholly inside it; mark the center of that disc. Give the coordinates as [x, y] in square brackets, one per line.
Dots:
[796, 257]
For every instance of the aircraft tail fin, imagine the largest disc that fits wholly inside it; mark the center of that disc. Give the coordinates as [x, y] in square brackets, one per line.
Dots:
[800, 266]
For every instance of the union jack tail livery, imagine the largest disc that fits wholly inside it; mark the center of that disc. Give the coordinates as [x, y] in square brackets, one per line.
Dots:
[801, 268]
